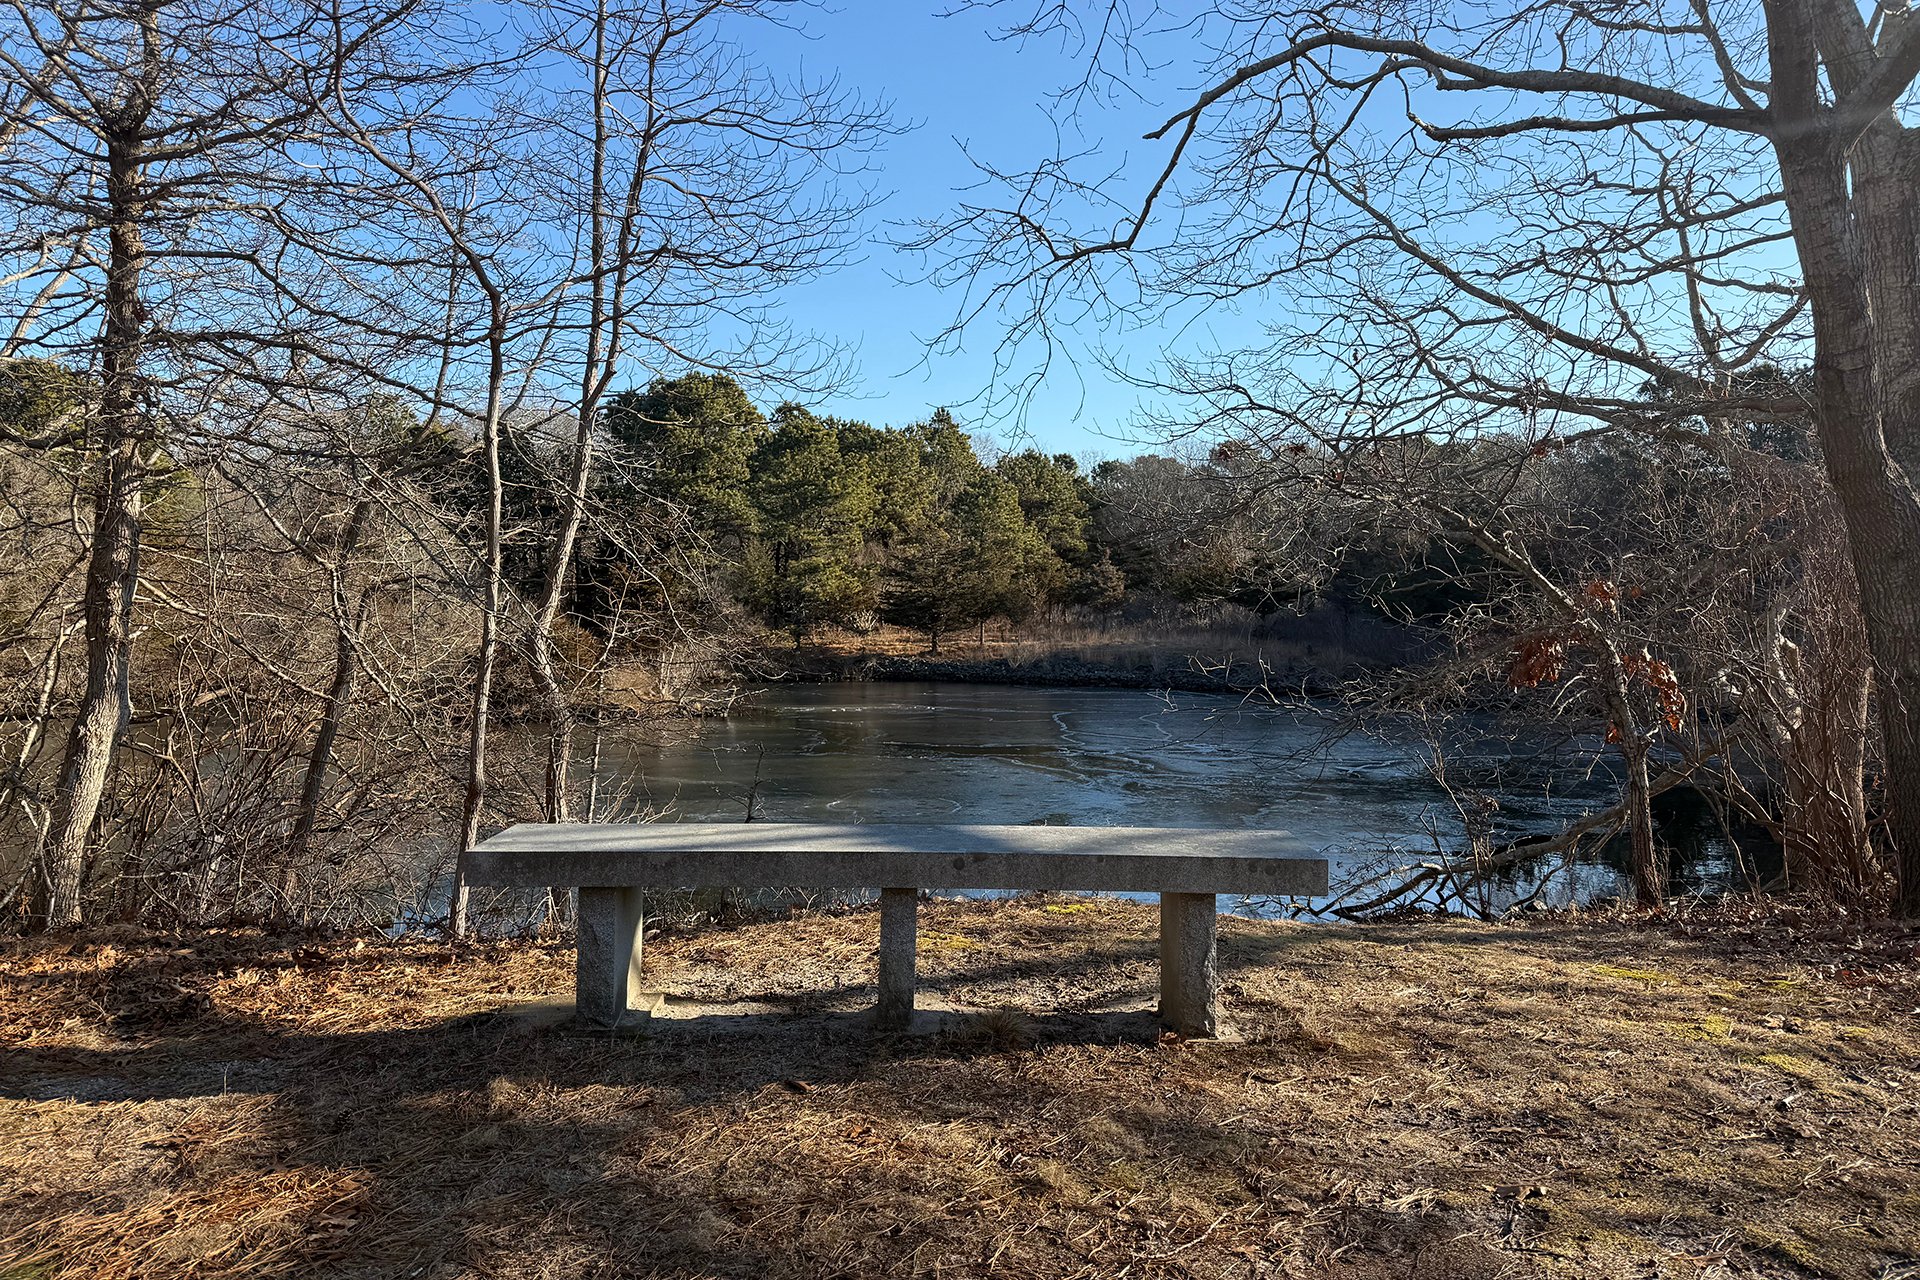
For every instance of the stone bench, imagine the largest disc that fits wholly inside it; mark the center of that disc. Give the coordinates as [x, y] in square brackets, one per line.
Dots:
[612, 864]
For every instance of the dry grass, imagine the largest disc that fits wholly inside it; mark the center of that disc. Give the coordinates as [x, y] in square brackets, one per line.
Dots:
[1569, 1098]
[1142, 646]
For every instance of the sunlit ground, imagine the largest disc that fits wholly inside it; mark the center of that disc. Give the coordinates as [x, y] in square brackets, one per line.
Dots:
[1570, 1098]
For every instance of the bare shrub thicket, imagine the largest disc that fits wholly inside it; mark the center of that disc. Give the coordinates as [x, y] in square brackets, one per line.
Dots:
[1680, 616]
[284, 286]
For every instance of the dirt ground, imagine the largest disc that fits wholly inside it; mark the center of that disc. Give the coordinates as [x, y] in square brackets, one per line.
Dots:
[1570, 1097]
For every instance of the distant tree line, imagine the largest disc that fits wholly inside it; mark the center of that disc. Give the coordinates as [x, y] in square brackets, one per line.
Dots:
[804, 521]
[808, 521]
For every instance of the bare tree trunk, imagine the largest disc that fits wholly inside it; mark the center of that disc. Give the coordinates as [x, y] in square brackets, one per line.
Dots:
[559, 714]
[1890, 534]
[1890, 586]
[469, 253]
[1858, 415]
[559, 563]
[482, 705]
[106, 706]
[1634, 746]
[608, 266]
[113, 566]
[1649, 871]
[596, 368]
[333, 708]
[1886, 175]
[1846, 791]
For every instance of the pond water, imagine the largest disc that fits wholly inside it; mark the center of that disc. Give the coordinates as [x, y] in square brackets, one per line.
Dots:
[924, 752]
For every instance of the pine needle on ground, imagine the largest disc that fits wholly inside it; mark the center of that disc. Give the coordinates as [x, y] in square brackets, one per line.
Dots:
[1571, 1097]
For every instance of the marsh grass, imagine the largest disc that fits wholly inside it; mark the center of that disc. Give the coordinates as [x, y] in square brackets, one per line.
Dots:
[1173, 646]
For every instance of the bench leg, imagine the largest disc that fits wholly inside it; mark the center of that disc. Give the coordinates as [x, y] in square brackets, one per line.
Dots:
[1189, 964]
[607, 960]
[899, 934]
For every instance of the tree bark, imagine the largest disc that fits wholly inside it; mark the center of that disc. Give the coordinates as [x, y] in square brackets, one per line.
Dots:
[1864, 294]
[1649, 869]
[609, 264]
[113, 564]
[1886, 177]
[1648, 866]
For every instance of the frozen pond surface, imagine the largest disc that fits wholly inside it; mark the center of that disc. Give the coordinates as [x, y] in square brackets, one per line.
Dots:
[909, 752]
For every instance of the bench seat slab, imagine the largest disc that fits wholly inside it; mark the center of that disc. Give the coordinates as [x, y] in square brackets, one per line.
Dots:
[684, 855]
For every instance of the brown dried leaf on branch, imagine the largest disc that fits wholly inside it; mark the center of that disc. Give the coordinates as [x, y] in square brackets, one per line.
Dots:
[1540, 658]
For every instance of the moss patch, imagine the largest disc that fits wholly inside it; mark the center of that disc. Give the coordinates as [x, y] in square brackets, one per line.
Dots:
[1652, 977]
[931, 940]
[1711, 1027]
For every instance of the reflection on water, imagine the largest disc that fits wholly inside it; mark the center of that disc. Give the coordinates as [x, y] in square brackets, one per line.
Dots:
[921, 752]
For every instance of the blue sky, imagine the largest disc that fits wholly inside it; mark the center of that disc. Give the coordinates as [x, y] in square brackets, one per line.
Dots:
[958, 87]
[954, 84]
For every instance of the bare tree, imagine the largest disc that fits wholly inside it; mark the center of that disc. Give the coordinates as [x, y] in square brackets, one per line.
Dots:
[704, 186]
[226, 229]
[447, 210]
[1478, 218]
[144, 139]
[329, 534]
